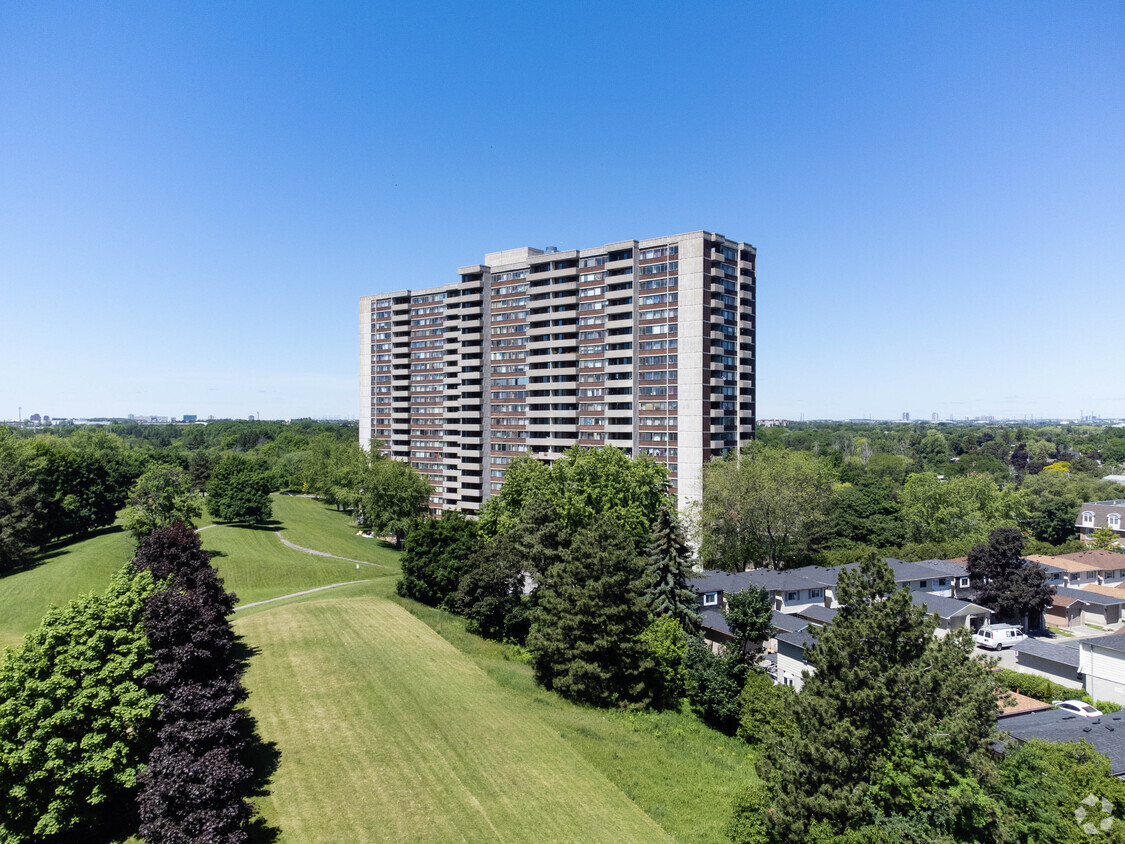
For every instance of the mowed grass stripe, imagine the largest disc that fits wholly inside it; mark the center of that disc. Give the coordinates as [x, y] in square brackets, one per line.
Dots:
[256, 566]
[388, 733]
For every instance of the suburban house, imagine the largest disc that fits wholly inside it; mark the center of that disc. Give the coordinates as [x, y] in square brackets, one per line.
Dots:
[804, 599]
[791, 662]
[1102, 664]
[1065, 572]
[1065, 612]
[1102, 514]
[1059, 663]
[1102, 603]
[1111, 564]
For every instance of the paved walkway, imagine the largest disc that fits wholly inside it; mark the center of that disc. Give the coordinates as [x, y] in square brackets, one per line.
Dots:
[295, 547]
[296, 594]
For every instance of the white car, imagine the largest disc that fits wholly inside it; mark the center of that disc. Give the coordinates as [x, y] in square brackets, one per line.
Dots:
[1077, 707]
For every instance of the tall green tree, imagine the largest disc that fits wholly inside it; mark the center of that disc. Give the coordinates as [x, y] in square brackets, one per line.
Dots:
[669, 567]
[239, 491]
[161, 497]
[490, 593]
[584, 640]
[19, 515]
[582, 484]
[967, 507]
[1042, 784]
[394, 494]
[1014, 588]
[764, 507]
[75, 718]
[1103, 539]
[436, 557]
[893, 723]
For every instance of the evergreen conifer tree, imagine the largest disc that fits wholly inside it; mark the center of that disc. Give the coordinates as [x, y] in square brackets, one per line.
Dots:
[668, 570]
[584, 640]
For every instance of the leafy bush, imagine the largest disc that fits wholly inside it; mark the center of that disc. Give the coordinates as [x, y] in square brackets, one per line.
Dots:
[666, 645]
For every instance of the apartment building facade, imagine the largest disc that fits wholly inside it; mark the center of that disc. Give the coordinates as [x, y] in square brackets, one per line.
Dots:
[646, 345]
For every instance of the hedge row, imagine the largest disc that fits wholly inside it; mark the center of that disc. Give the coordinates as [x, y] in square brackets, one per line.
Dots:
[1043, 689]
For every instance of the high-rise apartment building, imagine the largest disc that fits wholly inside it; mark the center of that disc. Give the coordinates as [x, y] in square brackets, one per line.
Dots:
[647, 345]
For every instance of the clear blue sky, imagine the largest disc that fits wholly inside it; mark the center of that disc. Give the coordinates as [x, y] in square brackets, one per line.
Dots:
[193, 196]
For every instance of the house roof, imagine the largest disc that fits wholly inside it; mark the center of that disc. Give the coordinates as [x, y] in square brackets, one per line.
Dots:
[944, 567]
[1062, 564]
[917, 571]
[1050, 651]
[786, 623]
[1101, 509]
[809, 577]
[1117, 479]
[713, 619]
[816, 612]
[802, 639]
[1063, 600]
[1013, 703]
[1111, 591]
[1113, 642]
[1090, 597]
[1104, 560]
[947, 607]
[1106, 733]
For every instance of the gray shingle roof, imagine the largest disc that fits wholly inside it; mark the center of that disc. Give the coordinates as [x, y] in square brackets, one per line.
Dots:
[802, 639]
[816, 612]
[713, 619]
[1050, 651]
[1106, 733]
[786, 623]
[947, 608]
[1114, 642]
[1095, 599]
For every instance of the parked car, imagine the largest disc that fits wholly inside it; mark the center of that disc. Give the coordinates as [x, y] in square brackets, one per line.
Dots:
[1077, 707]
[999, 636]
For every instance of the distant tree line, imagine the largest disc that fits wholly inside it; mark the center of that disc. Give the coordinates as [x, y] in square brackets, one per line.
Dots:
[68, 483]
[828, 494]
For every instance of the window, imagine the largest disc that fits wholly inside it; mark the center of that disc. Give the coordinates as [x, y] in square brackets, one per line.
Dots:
[1115, 521]
[1087, 518]
[964, 582]
[710, 599]
[943, 581]
[816, 593]
[792, 596]
[923, 584]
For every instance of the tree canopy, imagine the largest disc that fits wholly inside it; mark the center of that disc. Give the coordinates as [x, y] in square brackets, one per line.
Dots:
[1005, 582]
[892, 723]
[584, 639]
[764, 507]
[579, 486]
[239, 491]
[75, 714]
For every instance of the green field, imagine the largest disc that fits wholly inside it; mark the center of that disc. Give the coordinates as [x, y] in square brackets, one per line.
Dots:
[388, 733]
[395, 724]
[64, 572]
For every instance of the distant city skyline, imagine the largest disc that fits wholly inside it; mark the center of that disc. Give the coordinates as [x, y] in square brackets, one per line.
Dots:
[191, 204]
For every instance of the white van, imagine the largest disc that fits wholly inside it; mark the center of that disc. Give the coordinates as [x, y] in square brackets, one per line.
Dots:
[999, 636]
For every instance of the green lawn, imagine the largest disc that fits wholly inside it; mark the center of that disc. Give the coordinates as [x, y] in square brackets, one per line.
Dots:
[313, 524]
[64, 572]
[681, 772]
[256, 566]
[394, 723]
[388, 733]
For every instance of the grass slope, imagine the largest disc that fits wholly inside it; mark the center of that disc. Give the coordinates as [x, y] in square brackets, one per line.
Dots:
[388, 733]
[681, 772]
[313, 524]
[63, 573]
[256, 566]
